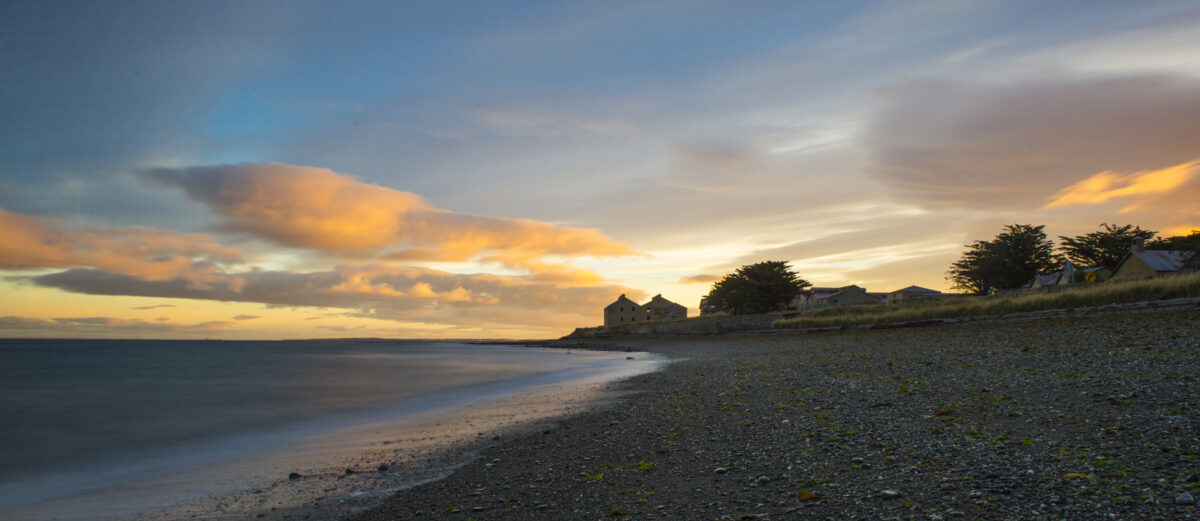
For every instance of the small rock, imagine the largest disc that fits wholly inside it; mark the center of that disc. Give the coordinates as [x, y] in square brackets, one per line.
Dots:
[889, 494]
[1184, 499]
[856, 461]
[805, 495]
[721, 470]
[295, 475]
[542, 506]
[383, 467]
[763, 479]
[349, 471]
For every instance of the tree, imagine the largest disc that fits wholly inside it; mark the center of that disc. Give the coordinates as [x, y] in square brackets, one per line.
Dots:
[757, 288]
[1009, 261]
[1179, 242]
[1103, 248]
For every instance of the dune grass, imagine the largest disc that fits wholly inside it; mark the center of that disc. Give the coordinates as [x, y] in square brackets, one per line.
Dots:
[1110, 292]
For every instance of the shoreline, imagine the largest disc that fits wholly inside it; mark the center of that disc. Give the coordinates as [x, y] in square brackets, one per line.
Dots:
[332, 465]
[1082, 418]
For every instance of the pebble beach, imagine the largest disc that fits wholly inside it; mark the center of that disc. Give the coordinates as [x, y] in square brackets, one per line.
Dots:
[1095, 417]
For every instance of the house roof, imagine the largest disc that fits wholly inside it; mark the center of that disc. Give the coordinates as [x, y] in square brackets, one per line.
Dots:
[838, 291]
[622, 300]
[658, 301]
[917, 289]
[815, 290]
[1048, 279]
[1162, 260]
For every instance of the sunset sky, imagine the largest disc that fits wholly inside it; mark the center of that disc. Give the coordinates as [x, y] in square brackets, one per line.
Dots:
[505, 169]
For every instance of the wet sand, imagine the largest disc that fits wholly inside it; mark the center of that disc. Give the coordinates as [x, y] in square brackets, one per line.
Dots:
[1088, 418]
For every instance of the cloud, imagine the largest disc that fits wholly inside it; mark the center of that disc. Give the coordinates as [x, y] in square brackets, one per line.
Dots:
[157, 306]
[246, 317]
[31, 242]
[1108, 185]
[100, 326]
[1011, 146]
[323, 210]
[10, 321]
[700, 278]
[374, 291]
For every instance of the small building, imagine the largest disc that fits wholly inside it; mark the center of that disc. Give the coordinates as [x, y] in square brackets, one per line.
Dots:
[822, 297]
[1141, 263]
[660, 308]
[625, 311]
[810, 297]
[913, 294]
[1047, 280]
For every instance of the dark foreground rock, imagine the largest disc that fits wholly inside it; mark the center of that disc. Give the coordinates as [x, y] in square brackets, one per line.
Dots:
[1091, 418]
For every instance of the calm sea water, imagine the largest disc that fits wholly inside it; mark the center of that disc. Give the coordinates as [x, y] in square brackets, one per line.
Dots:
[90, 419]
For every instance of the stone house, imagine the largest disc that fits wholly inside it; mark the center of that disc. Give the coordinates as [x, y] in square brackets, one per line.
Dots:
[625, 311]
[660, 308]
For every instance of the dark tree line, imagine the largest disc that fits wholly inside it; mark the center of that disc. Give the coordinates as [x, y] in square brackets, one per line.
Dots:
[1022, 251]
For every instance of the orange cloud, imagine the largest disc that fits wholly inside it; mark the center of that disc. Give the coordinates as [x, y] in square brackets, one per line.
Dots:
[320, 209]
[700, 278]
[31, 242]
[381, 292]
[1108, 185]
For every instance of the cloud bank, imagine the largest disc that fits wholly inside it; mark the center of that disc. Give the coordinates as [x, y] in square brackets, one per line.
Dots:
[31, 242]
[319, 209]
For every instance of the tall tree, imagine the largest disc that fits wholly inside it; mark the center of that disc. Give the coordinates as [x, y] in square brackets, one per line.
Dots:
[757, 288]
[1102, 248]
[1009, 261]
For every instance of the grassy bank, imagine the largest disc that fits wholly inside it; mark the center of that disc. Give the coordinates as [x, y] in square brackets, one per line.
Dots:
[1110, 292]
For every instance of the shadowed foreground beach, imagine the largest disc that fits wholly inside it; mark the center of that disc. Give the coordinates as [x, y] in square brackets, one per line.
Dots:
[1086, 418]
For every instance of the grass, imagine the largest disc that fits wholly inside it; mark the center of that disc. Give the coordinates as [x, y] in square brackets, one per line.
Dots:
[1109, 292]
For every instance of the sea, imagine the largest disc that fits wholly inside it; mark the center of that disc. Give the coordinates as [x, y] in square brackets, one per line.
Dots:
[171, 430]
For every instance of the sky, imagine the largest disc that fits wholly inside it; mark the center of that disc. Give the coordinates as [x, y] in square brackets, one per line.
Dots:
[273, 170]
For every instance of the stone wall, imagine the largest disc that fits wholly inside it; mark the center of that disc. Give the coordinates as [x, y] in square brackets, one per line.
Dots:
[705, 325]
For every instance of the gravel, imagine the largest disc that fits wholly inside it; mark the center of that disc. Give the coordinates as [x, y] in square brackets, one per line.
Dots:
[1088, 418]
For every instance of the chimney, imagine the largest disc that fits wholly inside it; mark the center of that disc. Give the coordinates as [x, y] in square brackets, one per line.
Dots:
[1139, 245]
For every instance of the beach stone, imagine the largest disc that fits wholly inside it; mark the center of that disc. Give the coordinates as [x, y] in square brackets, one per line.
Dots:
[295, 475]
[383, 467]
[889, 494]
[1184, 499]
[721, 470]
